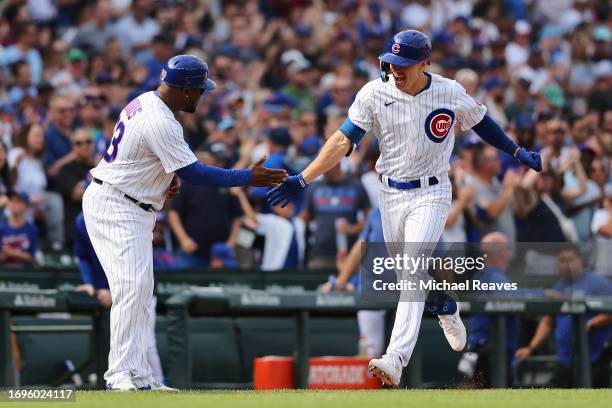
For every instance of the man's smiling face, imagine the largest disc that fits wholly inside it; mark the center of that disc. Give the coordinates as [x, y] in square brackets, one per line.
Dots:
[406, 77]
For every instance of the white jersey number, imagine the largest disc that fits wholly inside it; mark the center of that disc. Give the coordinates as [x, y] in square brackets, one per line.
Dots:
[113, 149]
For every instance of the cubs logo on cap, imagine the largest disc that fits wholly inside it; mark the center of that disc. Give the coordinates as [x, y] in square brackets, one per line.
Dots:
[438, 124]
[395, 48]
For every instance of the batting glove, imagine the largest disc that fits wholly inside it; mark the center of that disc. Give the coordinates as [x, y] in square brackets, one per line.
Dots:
[531, 159]
[284, 192]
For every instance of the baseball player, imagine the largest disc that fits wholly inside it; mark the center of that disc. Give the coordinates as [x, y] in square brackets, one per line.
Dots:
[414, 114]
[96, 284]
[134, 177]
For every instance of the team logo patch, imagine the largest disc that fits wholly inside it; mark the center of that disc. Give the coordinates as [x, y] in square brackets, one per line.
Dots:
[438, 124]
[395, 48]
[163, 74]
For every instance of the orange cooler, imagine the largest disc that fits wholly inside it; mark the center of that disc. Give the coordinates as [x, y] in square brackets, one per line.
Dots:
[326, 373]
[273, 373]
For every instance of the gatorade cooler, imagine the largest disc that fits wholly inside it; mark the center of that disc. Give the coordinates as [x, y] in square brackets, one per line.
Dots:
[273, 373]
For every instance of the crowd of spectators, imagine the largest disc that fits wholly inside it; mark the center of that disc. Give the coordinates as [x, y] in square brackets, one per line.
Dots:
[286, 72]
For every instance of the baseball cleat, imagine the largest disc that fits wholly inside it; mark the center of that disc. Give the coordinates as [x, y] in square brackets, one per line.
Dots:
[121, 384]
[158, 386]
[454, 330]
[387, 369]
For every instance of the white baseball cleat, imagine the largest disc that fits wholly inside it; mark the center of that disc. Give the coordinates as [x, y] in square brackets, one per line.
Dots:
[158, 386]
[121, 384]
[387, 369]
[454, 330]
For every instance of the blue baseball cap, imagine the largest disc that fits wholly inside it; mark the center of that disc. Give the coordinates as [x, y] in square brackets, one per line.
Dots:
[311, 145]
[227, 123]
[22, 195]
[471, 140]
[493, 82]
[277, 101]
[523, 122]
[279, 136]
[302, 30]
[8, 108]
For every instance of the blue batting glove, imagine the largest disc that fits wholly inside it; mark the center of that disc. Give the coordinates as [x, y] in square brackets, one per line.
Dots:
[284, 192]
[531, 159]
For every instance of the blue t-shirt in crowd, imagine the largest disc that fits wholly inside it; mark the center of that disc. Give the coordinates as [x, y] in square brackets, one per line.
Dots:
[327, 202]
[23, 238]
[293, 255]
[274, 161]
[90, 268]
[57, 145]
[480, 324]
[154, 67]
[372, 233]
[373, 230]
[589, 284]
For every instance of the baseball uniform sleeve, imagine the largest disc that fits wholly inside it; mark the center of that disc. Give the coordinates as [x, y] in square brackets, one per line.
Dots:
[360, 116]
[165, 138]
[469, 111]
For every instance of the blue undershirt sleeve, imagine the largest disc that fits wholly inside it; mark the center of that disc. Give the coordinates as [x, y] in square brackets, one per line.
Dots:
[203, 175]
[493, 134]
[86, 270]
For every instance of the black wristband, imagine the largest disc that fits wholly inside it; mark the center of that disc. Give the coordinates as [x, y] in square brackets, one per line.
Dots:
[350, 150]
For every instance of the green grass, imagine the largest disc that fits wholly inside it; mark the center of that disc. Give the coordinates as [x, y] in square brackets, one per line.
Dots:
[540, 398]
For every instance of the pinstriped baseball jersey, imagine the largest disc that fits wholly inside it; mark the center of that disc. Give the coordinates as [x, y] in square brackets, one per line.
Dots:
[146, 148]
[415, 133]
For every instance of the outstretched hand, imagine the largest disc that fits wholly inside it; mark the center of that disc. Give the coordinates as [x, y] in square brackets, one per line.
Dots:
[531, 159]
[283, 193]
[265, 177]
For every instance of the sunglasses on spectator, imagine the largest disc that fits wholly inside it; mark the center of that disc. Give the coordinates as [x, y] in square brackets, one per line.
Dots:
[64, 109]
[82, 142]
[94, 98]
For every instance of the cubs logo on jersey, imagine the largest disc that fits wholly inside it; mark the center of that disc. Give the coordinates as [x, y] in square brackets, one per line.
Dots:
[438, 124]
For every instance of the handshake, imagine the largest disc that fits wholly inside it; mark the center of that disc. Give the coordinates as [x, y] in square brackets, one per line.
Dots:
[284, 192]
[294, 185]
